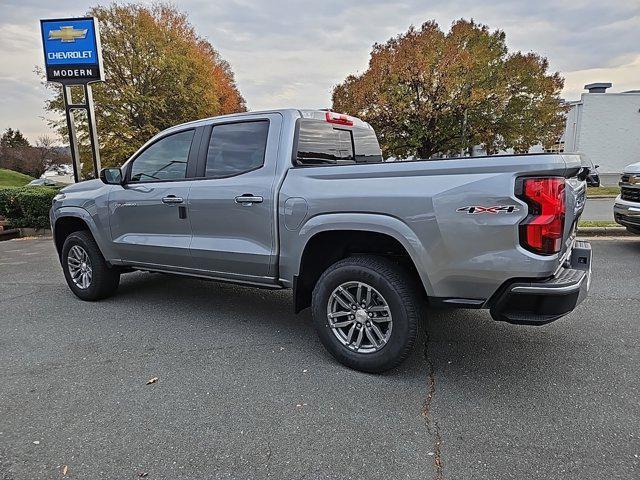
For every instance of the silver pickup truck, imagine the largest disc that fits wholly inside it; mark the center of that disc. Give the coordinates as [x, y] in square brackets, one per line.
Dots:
[303, 199]
[626, 209]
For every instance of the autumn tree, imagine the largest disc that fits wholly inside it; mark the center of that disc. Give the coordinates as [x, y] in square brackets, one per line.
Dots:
[427, 92]
[16, 153]
[159, 73]
[13, 138]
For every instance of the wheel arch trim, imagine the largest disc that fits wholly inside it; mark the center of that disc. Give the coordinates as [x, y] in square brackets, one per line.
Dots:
[82, 214]
[368, 222]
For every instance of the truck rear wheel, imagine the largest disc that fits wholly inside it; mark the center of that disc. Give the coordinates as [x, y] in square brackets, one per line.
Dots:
[87, 273]
[366, 310]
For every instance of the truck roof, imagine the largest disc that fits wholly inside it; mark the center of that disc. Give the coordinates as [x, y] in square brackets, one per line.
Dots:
[318, 114]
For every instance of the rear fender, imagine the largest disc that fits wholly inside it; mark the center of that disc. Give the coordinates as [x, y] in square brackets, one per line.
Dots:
[378, 223]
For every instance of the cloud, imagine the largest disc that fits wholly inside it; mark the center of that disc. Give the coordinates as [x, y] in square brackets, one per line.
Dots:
[291, 53]
[624, 77]
[22, 107]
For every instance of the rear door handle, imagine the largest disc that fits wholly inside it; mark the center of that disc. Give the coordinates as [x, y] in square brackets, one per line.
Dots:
[172, 199]
[248, 199]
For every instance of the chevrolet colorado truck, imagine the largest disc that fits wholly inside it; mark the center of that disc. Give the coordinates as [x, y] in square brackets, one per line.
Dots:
[626, 209]
[302, 199]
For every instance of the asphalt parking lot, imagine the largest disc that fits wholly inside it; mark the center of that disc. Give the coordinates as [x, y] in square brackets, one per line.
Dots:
[599, 209]
[245, 390]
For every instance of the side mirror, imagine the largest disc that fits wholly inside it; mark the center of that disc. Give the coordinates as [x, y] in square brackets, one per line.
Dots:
[111, 176]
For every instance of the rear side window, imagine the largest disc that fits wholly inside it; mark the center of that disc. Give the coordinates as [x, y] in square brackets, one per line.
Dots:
[322, 143]
[236, 148]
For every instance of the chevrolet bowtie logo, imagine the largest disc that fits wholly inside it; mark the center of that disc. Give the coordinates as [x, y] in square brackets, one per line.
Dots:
[67, 34]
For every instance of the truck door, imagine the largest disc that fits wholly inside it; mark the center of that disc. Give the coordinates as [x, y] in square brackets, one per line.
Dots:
[231, 206]
[147, 215]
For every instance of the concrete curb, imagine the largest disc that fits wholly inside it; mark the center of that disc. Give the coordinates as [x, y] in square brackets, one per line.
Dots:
[597, 197]
[603, 231]
[9, 234]
[35, 232]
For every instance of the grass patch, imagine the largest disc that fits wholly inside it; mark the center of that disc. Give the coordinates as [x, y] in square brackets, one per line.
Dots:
[597, 223]
[609, 191]
[9, 178]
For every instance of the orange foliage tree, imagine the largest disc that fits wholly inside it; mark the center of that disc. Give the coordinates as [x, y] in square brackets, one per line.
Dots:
[159, 72]
[427, 93]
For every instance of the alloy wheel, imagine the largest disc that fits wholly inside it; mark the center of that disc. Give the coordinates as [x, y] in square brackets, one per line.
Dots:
[79, 266]
[359, 317]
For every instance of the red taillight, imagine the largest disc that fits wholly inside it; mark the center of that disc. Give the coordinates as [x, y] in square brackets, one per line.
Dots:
[541, 232]
[339, 118]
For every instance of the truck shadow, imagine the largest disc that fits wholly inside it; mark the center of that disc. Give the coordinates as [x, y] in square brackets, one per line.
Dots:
[209, 301]
[458, 343]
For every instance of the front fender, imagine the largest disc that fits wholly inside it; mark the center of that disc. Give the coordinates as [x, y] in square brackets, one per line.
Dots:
[291, 254]
[95, 227]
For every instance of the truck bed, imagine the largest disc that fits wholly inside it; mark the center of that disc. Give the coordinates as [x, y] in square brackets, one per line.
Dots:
[418, 203]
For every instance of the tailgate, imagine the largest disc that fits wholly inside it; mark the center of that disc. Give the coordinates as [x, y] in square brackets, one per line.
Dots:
[576, 195]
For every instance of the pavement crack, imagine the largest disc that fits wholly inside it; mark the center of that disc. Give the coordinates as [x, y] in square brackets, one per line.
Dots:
[437, 457]
[433, 428]
[268, 462]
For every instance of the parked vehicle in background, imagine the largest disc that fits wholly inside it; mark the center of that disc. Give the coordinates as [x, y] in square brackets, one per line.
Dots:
[626, 209]
[61, 174]
[44, 182]
[593, 177]
[302, 199]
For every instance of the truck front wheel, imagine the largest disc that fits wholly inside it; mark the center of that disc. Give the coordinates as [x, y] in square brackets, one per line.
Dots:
[87, 273]
[366, 310]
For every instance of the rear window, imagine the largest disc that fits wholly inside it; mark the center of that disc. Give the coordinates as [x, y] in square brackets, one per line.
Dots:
[322, 143]
[367, 146]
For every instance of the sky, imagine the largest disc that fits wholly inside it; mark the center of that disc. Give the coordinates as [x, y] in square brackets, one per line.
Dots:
[292, 53]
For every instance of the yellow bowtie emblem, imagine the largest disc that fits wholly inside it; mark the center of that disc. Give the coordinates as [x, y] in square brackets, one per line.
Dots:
[67, 34]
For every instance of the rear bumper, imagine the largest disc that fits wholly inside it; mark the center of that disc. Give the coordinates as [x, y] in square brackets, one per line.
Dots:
[540, 301]
[627, 214]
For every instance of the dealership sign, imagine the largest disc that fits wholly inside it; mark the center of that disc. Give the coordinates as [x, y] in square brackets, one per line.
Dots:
[72, 56]
[72, 52]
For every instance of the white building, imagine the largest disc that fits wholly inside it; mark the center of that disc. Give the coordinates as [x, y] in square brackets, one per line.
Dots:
[606, 128]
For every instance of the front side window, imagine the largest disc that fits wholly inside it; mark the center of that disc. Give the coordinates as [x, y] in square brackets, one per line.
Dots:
[164, 160]
[236, 148]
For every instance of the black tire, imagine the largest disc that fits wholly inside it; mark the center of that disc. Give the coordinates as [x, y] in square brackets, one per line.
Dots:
[401, 292]
[105, 279]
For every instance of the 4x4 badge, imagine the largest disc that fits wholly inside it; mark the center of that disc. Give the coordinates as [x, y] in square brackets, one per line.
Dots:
[476, 209]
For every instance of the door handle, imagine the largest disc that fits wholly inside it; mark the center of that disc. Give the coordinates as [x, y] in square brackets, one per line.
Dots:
[172, 199]
[248, 199]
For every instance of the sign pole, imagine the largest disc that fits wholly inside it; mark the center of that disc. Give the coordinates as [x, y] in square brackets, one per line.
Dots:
[93, 131]
[71, 130]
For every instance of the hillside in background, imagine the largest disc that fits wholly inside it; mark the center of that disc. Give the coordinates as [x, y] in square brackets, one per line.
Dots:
[9, 178]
